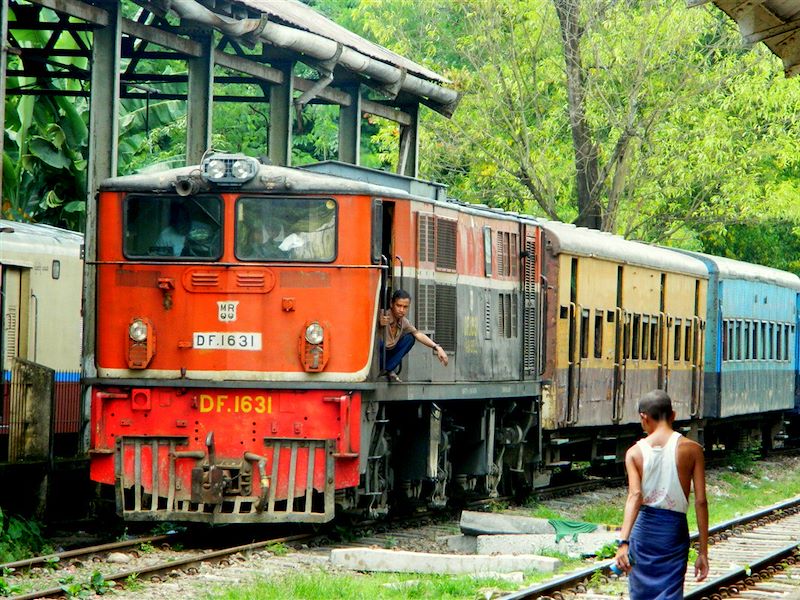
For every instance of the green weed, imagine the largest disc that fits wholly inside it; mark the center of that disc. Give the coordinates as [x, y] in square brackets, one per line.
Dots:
[743, 460]
[133, 583]
[97, 585]
[19, 538]
[608, 551]
[390, 542]
[279, 549]
[146, 548]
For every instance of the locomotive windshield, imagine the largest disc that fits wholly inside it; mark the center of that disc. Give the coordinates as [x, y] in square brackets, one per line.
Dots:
[296, 229]
[159, 227]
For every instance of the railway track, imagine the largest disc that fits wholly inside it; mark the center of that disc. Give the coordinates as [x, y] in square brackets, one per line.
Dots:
[153, 571]
[755, 556]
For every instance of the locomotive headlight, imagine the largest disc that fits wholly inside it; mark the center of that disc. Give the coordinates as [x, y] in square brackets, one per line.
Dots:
[141, 342]
[138, 331]
[229, 169]
[314, 345]
[243, 169]
[215, 169]
[314, 333]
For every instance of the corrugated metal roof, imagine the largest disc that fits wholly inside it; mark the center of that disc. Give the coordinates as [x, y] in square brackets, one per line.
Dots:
[590, 242]
[776, 23]
[301, 16]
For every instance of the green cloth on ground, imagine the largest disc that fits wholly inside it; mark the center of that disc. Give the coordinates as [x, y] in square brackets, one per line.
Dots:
[573, 528]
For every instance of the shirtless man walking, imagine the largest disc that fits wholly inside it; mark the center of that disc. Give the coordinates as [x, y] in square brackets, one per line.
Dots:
[662, 468]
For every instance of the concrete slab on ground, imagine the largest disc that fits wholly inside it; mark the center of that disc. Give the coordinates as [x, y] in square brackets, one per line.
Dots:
[401, 561]
[586, 544]
[480, 523]
[462, 543]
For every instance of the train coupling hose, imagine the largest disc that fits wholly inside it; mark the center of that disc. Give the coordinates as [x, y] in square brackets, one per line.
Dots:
[261, 465]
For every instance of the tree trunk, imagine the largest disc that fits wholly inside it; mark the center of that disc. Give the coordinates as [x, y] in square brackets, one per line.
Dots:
[586, 167]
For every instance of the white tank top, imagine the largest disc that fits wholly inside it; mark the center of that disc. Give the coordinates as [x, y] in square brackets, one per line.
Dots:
[661, 487]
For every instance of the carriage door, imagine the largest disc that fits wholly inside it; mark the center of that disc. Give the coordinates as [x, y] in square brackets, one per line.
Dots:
[532, 309]
[621, 329]
[662, 342]
[15, 307]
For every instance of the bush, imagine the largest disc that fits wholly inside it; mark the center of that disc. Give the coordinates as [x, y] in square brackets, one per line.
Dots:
[19, 538]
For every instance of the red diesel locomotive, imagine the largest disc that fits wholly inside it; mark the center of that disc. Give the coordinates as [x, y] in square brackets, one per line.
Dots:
[236, 342]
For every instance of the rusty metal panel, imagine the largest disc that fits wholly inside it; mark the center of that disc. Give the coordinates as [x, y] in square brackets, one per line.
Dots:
[30, 412]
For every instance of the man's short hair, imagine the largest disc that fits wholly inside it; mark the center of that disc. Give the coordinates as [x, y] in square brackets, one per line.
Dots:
[656, 404]
[400, 295]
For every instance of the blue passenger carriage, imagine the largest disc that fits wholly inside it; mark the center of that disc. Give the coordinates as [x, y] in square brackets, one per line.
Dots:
[750, 353]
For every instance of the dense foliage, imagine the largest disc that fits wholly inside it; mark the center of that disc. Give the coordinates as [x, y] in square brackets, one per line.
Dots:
[647, 119]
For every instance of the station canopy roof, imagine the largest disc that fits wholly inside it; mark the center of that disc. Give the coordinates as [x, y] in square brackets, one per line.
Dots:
[776, 23]
[292, 27]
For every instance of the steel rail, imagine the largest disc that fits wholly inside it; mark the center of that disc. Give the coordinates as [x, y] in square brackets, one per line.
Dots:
[171, 565]
[736, 577]
[581, 577]
[47, 558]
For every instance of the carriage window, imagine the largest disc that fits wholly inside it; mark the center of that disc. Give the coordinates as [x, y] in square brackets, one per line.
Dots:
[654, 339]
[302, 229]
[746, 340]
[779, 341]
[585, 333]
[687, 343]
[677, 341]
[165, 227]
[645, 338]
[598, 333]
[626, 336]
[789, 331]
[771, 341]
[637, 326]
[738, 340]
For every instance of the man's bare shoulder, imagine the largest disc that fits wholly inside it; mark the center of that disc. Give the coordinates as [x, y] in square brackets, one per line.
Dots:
[690, 453]
[633, 453]
[688, 445]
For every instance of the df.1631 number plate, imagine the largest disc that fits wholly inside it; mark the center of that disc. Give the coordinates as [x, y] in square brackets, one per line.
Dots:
[226, 340]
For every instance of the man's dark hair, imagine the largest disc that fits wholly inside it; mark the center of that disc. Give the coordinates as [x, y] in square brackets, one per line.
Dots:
[400, 295]
[656, 404]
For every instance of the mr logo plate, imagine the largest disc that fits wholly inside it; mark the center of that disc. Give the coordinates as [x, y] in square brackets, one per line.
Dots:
[226, 311]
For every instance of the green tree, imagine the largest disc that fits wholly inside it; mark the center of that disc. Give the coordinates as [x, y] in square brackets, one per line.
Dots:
[629, 117]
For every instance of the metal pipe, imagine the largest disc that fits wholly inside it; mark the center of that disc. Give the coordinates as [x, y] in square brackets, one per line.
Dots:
[317, 47]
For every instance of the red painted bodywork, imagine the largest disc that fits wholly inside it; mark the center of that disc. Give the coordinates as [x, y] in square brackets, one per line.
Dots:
[277, 300]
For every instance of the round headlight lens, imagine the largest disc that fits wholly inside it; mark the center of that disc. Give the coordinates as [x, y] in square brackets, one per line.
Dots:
[242, 169]
[138, 331]
[314, 333]
[216, 169]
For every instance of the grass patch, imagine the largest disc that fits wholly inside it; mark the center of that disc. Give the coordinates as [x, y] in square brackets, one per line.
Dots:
[541, 511]
[311, 586]
[733, 494]
[604, 514]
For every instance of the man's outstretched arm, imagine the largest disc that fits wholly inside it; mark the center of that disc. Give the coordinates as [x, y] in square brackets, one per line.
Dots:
[426, 341]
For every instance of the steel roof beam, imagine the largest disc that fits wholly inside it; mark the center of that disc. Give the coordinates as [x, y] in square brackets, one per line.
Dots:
[75, 8]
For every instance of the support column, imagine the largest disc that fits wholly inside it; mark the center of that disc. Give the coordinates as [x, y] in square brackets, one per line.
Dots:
[200, 101]
[102, 163]
[408, 164]
[350, 127]
[280, 119]
[3, 65]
